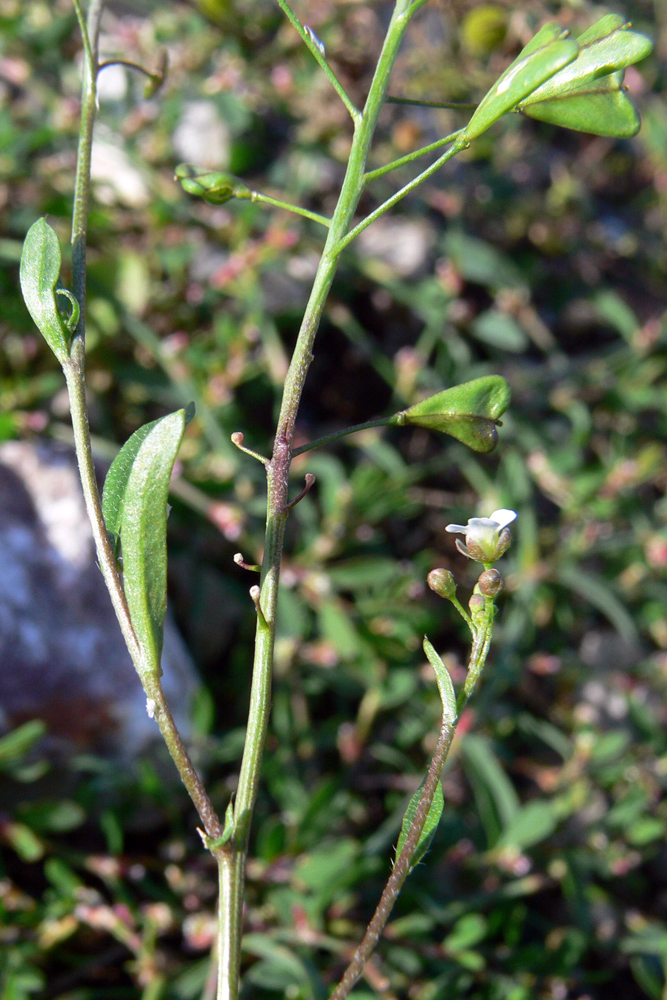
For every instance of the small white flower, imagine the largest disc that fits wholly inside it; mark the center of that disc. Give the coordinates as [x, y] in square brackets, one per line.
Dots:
[485, 536]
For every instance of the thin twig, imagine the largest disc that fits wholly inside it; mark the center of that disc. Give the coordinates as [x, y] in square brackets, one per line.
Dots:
[400, 870]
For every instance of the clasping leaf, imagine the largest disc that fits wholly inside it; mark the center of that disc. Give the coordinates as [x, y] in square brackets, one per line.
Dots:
[134, 504]
[444, 680]
[469, 412]
[430, 826]
[40, 274]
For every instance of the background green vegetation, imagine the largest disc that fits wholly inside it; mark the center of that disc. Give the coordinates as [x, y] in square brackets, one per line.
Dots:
[539, 254]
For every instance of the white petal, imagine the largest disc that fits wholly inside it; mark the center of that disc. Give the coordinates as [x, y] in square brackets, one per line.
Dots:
[459, 529]
[503, 518]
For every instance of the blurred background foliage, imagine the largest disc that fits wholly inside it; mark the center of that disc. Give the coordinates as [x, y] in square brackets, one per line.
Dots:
[538, 254]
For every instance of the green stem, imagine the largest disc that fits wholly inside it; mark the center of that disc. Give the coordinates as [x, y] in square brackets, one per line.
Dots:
[390, 202]
[444, 105]
[74, 371]
[90, 30]
[337, 435]
[410, 157]
[354, 112]
[402, 865]
[267, 200]
[277, 499]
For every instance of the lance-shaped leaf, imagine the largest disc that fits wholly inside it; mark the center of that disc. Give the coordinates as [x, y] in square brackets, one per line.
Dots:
[143, 532]
[469, 412]
[445, 685]
[39, 274]
[547, 53]
[587, 95]
[115, 484]
[430, 826]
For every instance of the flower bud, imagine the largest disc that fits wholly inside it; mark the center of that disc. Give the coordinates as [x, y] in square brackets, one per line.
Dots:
[442, 582]
[503, 543]
[490, 583]
[477, 605]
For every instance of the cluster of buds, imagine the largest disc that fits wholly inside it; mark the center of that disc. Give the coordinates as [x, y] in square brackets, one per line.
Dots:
[487, 539]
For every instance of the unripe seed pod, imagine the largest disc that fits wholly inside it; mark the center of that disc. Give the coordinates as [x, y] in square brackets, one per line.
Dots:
[442, 582]
[490, 583]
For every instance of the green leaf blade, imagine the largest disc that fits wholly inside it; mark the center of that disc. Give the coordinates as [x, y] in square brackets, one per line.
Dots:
[143, 532]
[39, 274]
[430, 826]
[444, 681]
[115, 484]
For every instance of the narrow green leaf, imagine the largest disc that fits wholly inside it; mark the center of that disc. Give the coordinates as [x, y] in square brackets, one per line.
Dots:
[445, 686]
[532, 824]
[115, 484]
[39, 275]
[227, 830]
[469, 412]
[73, 319]
[430, 826]
[547, 53]
[19, 741]
[143, 533]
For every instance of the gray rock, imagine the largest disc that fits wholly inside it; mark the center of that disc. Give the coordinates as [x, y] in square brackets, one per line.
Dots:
[62, 655]
[201, 136]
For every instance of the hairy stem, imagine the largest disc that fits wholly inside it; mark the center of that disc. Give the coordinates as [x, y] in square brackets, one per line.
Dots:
[75, 377]
[90, 30]
[277, 500]
[400, 871]
[403, 863]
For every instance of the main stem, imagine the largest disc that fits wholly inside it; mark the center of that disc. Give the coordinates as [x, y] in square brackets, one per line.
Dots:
[233, 871]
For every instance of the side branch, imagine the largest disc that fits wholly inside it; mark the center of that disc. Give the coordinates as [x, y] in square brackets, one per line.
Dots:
[400, 870]
[311, 44]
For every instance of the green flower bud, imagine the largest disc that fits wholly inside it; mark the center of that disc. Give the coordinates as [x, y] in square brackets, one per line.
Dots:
[478, 612]
[442, 582]
[490, 583]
